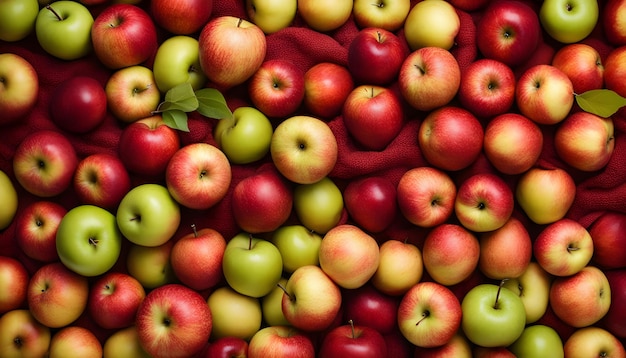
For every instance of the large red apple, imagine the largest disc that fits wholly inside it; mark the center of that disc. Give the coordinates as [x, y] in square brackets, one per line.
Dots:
[608, 233]
[352, 340]
[582, 63]
[369, 307]
[102, 180]
[487, 88]
[326, 87]
[114, 299]
[277, 88]
[79, 104]
[371, 202]
[375, 56]
[181, 17]
[36, 228]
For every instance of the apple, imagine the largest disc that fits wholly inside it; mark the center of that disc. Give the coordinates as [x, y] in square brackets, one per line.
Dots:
[311, 299]
[181, 17]
[19, 86]
[173, 320]
[569, 22]
[14, 280]
[582, 63]
[123, 35]
[450, 253]
[326, 87]
[36, 227]
[373, 116]
[487, 88]
[280, 341]
[316, 15]
[538, 341]
[533, 287]
[429, 314]
[510, 32]
[272, 306]
[17, 19]
[123, 343]
[451, 138]
[458, 346]
[492, 352]
[513, 143]
[432, 23]
[563, 247]
[271, 16]
[401, 267]
[585, 141]
[148, 215]
[506, 252]
[132, 93]
[176, 62]
[57, 296]
[22, 335]
[371, 308]
[371, 202]
[198, 175]
[75, 341]
[426, 196]
[101, 179]
[352, 340]
[114, 299]
[55, 23]
[607, 235]
[252, 266]
[594, 341]
[44, 163]
[469, 5]
[151, 266]
[226, 347]
[544, 94]
[245, 137]
[375, 56]
[88, 240]
[387, 15]
[429, 78]
[196, 258]
[613, 321]
[349, 256]
[614, 71]
[319, 206]
[298, 246]
[492, 316]
[613, 22]
[230, 63]
[581, 299]
[233, 314]
[545, 194]
[147, 145]
[8, 195]
[304, 149]
[277, 88]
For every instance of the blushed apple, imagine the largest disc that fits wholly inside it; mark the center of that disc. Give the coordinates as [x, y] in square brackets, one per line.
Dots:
[506, 252]
[326, 87]
[487, 88]
[401, 266]
[544, 194]
[582, 63]
[450, 253]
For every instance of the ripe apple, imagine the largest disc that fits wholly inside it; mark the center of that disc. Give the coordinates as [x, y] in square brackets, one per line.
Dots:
[173, 320]
[373, 116]
[101, 179]
[316, 15]
[176, 62]
[510, 32]
[19, 88]
[114, 299]
[226, 347]
[432, 23]
[63, 20]
[234, 314]
[272, 306]
[585, 141]
[613, 321]
[181, 17]
[14, 280]
[401, 266]
[608, 234]
[277, 87]
[487, 88]
[545, 194]
[512, 143]
[533, 287]
[582, 63]
[151, 266]
[375, 56]
[612, 21]
[326, 87]
[569, 22]
[429, 314]
[349, 256]
[538, 341]
[593, 341]
[450, 253]
[44, 163]
[563, 247]
[450, 138]
[371, 308]
[387, 15]
[282, 341]
[123, 35]
[352, 340]
[9, 197]
[17, 19]
[198, 175]
[429, 78]
[614, 72]
[245, 137]
[271, 16]
[124, 343]
[22, 335]
[36, 227]
[230, 63]
[298, 246]
[304, 149]
[371, 202]
[544, 94]
[132, 93]
[458, 346]
[505, 252]
[75, 341]
[197, 257]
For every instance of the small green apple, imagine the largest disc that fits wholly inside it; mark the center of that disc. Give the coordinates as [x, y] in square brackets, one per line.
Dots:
[271, 15]
[538, 341]
[176, 62]
[272, 305]
[245, 137]
[569, 21]
[298, 246]
[151, 265]
[9, 200]
[319, 205]
[17, 19]
[63, 29]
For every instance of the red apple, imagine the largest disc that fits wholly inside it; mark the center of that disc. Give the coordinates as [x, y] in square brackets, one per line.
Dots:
[353, 340]
[582, 64]
[371, 202]
[375, 56]
[487, 88]
[281, 341]
[615, 319]
[613, 23]
[102, 180]
[181, 17]
[608, 233]
[369, 307]
[469, 5]
[13, 284]
[36, 229]
[505, 252]
[326, 87]
[277, 88]
[563, 248]
[226, 347]
[615, 71]
[78, 104]
[114, 299]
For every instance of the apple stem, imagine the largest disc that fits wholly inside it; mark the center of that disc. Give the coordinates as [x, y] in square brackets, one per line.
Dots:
[48, 7]
[285, 291]
[195, 232]
[250, 242]
[495, 304]
[351, 323]
[424, 316]
[239, 22]
[380, 36]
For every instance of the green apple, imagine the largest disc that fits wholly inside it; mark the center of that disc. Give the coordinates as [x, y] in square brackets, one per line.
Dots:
[88, 240]
[569, 21]
[176, 62]
[9, 200]
[63, 29]
[151, 265]
[298, 246]
[148, 215]
[538, 341]
[319, 205]
[492, 316]
[245, 137]
[272, 306]
[251, 266]
[271, 15]
[234, 314]
[17, 19]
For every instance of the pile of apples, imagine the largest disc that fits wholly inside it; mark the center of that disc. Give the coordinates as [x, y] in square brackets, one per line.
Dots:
[217, 214]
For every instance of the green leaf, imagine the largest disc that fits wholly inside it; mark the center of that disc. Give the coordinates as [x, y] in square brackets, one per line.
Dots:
[180, 97]
[601, 102]
[176, 119]
[212, 104]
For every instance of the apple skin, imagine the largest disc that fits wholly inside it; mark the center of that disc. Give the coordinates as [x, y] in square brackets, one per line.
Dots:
[315, 14]
[176, 62]
[282, 341]
[506, 252]
[612, 20]
[614, 72]
[371, 202]
[533, 287]
[371, 308]
[36, 227]
[151, 266]
[101, 179]
[351, 340]
[18, 99]
[298, 246]
[272, 16]
[173, 320]
[234, 314]
[376, 48]
[19, 326]
[226, 347]
[569, 23]
[536, 341]
[132, 93]
[182, 17]
[277, 88]
[114, 299]
[487, 88]
[230, 63]
[124, 343]
[545, 195]
[18, 19]
[401, 266]
[386, 15]
[431, 24]
[123, 35]
[373, 115]
[510, 32]
[582, 63]
[14, 280]
[451, 138]
[613, 321]
[245, 137]
[326, 87]
[607, 233]
[75, 341]
[563, 248]
[57, 22]
[594, 341]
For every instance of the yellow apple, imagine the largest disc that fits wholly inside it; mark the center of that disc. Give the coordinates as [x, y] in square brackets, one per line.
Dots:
[8, 198]
[271, 15]
[325, 15]
[432, 23]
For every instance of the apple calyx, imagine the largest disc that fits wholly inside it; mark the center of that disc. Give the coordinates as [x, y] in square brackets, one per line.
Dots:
[18, 342]
[59, 17]
[571, 248]
[496, 303]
